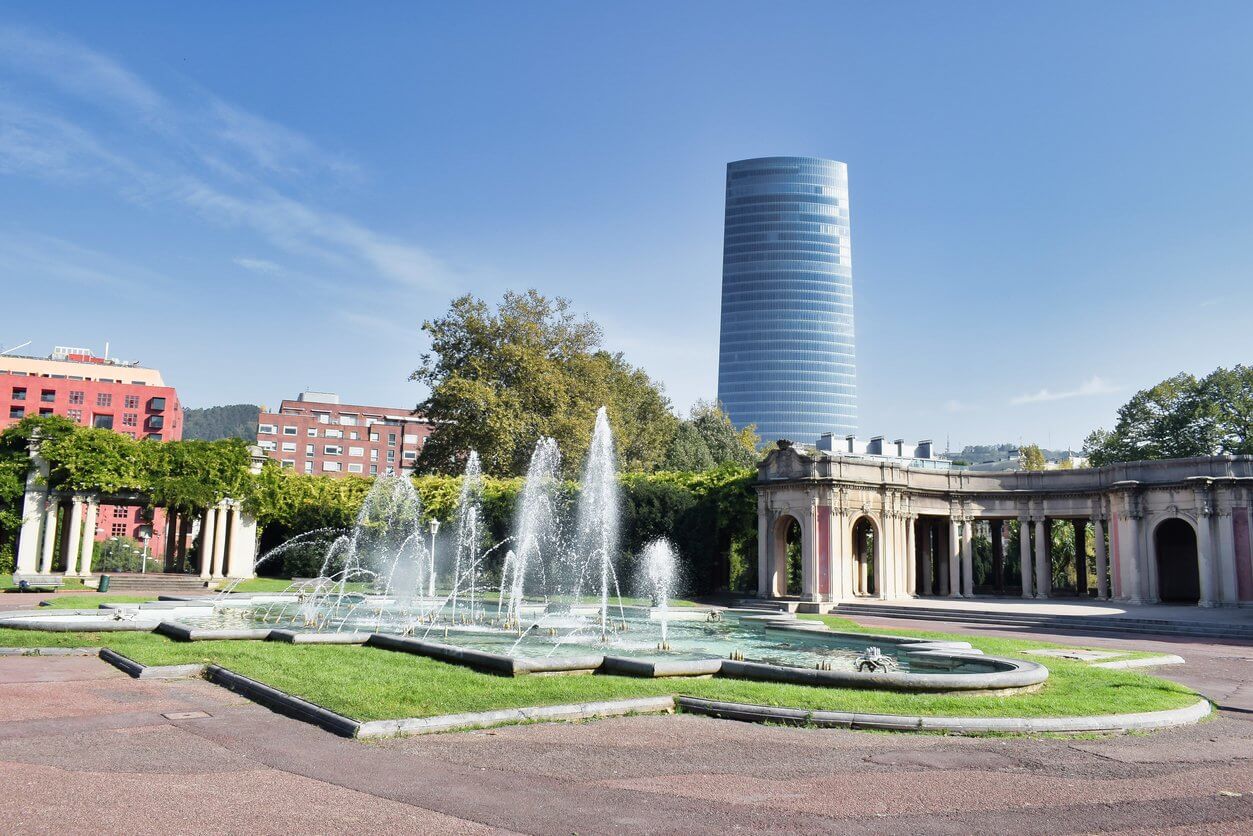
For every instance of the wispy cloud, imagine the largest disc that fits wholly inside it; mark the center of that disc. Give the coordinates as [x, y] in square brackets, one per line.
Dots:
[953, 405]
[231, 167]
[259, 265]
[46, 258]
[1093, 386]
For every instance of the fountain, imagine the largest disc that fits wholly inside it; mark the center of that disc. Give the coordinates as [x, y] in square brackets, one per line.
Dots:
[659, 569]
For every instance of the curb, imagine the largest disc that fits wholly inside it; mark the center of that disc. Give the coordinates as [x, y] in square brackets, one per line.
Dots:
[282, 702]
[49, 651]
[136, 670]
[1145, 662]
[960, 725]
[487, 719]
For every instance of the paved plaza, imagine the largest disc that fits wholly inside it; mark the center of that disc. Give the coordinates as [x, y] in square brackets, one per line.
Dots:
[85, 748]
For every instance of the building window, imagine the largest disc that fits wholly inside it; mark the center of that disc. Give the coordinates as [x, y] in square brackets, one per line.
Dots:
[153, 436]
[102, 422]
[334, 433]
[130, 402]
[348, 420]
[268, 445]
[410, 455]
[289, 463]
[374, 436]
[74, 414]
[356, 451]
[120, 511]
[104, 399]
[156, 404]
[354, 467]
[45, 411]
[308, 449]
[308, 467]
[391, 455]
[374, 470]
[130, 419]
[353, 436]
[19, 393]
[312, 432]
[333, 450]
[290, 430]
[17, 412]
[266, 429]
[156, 422]
[48, 396]
[391, 439]
[374, 455]
[289, 446]
[76, 397]
[119, 529]
[330, 467]
[411, 439]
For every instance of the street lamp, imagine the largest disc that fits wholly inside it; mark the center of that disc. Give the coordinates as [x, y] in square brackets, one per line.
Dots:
[430, 573]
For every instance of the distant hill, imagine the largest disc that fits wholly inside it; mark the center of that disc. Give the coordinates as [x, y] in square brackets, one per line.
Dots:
[978, 453]
[237, 420]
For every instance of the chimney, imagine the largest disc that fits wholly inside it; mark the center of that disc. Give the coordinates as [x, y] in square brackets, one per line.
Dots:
[876, 446]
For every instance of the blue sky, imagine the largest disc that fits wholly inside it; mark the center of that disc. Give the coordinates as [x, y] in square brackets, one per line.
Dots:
[1051, 204]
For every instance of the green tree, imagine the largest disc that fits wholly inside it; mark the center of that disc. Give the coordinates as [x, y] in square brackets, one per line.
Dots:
[707, 439]
[1181, 417]
[1032, 457]
[215, 422]
[501, 379]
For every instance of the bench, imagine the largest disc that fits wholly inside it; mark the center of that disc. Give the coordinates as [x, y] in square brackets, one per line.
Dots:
[29, 581]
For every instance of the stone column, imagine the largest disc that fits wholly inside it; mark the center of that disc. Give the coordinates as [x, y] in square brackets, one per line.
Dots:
[49, 536]
[763, 549]
[809, 554]
[206, 544]
[968, 560]
[998, 556]
[242, 554]
[73, 541]
[954, 557]
[1205, 557]
[911, 556]
[1024, 555]
[219, 541]
[1043, 559]
[1102, 558]
[34, 506]
[843, 568]
[89, 535]
[1081, 556]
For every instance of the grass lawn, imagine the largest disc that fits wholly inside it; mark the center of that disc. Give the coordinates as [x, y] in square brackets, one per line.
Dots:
[7, 584]
[373, 684]
[88, 602]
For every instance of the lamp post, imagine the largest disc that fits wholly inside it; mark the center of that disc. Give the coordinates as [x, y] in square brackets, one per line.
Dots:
[430, 574]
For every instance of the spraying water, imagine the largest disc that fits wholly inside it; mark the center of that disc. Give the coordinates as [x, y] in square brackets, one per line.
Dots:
[469, 541]
[659, 573]
[598, 517]
[539, 533]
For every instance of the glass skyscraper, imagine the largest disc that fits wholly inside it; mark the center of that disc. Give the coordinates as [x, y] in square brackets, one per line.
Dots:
[786, 360]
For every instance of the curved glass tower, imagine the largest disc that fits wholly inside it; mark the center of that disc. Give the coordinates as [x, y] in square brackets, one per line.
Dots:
[786, 358]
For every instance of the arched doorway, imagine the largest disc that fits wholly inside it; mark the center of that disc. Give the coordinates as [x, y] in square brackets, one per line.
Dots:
[787, 564]
[865, 546]
[1178, 575]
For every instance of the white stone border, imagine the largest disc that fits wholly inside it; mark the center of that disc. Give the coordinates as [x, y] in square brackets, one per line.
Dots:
[960, 725]
[1142, 662]
[544, 713]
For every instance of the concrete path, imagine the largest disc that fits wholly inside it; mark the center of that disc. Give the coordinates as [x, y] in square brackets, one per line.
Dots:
[84, 748]
[1080, 607]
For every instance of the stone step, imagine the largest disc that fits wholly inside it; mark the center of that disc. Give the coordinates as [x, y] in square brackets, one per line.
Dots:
[155, 581]
[1091, 624]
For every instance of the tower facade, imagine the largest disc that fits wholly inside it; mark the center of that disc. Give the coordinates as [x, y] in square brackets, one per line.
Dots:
[786, 354]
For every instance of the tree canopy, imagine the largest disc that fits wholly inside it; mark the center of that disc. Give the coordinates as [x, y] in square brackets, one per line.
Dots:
[500, 379]
[211, 423]
[1181, 417]
[707, 439]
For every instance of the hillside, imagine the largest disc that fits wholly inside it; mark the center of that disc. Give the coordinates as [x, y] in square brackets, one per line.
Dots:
[213, 422]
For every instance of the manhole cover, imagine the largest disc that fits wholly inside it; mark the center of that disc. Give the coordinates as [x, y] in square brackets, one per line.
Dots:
[944, 760]
[185, 715]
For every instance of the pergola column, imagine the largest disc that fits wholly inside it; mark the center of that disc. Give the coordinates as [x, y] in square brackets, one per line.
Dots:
[1205, 558]
[1081, 556]
[34, 506]
[1024, 555]
[763, 548]
[1102, 558]
[1043, 558]
[242, 554]
[206, 543]
[89, 536]
[219, 545]
[72, 542]
[49, 536]
[968, 560]
[911, 555]
[954, 557]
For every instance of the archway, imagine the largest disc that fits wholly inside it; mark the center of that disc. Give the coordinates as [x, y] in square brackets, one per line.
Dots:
[786, 560]
[865, 547]
[1178, 574]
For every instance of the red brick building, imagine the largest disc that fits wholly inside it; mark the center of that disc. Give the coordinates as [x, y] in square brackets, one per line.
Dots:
[315, 433]
[96, 392]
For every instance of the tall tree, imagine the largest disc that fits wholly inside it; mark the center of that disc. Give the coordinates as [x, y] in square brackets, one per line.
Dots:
[1181, 417]
[708, 439]
[1032, 457]
[502, 378]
